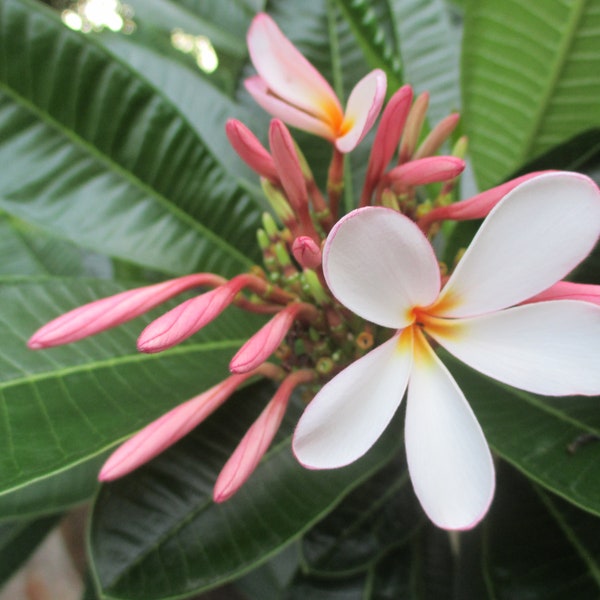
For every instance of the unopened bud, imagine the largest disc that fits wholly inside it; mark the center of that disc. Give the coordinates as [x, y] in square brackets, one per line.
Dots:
[307, 252]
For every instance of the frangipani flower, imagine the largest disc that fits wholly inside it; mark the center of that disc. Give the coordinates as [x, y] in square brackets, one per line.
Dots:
[379, 265]
[290, 88]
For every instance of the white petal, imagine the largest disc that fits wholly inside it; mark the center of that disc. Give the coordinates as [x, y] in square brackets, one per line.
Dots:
[287, 73]
[363, 108]
[550, 348]
[352, 410]
[379, 264]
[286, 112]
[533, 237]
[449, 460]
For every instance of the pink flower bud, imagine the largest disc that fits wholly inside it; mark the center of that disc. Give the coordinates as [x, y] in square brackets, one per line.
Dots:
[106, 313]
[267, 339]
[288, 166]
[387, 138]
[565, 290]
[307, 252]
[476, 207]
[258, 438]
[250, 150]
[437, 136]
[427, 170]
[186, 319]
[168, 429]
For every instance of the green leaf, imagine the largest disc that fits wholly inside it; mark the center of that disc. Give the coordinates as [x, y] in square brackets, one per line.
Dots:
[529, 553]
[28, 251]
[534, 434]
[367, 21]
[529, 79]
[429, 47]
[64, 407]
[18, 539]
[378, 516]
[109, 163]
[157, 533]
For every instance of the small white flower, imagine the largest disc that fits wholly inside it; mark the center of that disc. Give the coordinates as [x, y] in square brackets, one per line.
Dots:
[379, 265]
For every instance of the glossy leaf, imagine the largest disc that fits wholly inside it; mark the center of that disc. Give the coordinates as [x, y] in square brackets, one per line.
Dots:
[528, 555]
[64, 407]
[527, 78]
[429, 47]
[170, 539]
[376, 517]
[367, 21]
[109, 162]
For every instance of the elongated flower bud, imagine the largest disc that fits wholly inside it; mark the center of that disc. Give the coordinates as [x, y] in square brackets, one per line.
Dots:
[427, 170]
[106, 313]
[257, 440]
[387, 138]
[437, 136]
[566, 290]
[168, 429]
[476, 207]
[250, 150]
[267, 339]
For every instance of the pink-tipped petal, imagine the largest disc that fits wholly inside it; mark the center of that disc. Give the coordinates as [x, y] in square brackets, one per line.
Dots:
[287, 73]
[478, 206]
[266, 340]
[449, 461]
[250, 150]
[168, 429]
[432, 169]
[388, 133]
[550, 348]
[437, 136]
[186, 319]
[286, 112]
[257, 440]
[288, 165]
[364, 105]
[103, 314]
[534, 237]
[565, 290]
[379, 265]
[352, 410]
[306, 252]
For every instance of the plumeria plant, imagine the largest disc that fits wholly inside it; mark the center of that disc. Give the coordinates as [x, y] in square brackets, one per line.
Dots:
[222, 281]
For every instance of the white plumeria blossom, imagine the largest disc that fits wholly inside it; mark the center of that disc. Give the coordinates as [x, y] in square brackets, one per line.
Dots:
[380, 265]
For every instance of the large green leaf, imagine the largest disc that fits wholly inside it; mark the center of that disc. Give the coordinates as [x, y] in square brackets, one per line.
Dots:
[529, 553]
[534, 434]
[429, 48]
[375, 518]
[529, 77]
[63, 407]
[109, 162]
[157, 534]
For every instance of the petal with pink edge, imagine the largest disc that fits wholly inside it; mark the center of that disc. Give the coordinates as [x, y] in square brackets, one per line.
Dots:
[286, 72]
[353, 409]
[379, 264]
[449, 460]
[364, 105]
[287, 113]
[550, 348]
[533, 237]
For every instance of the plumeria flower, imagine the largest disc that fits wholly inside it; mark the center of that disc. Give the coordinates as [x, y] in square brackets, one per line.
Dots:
[290, 88]
[378, 263]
